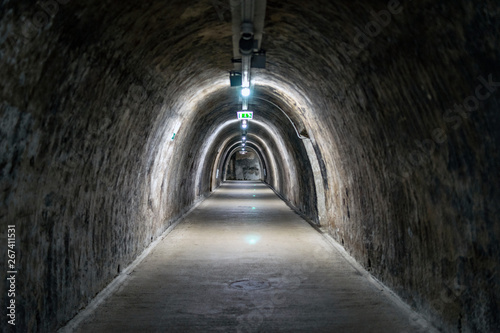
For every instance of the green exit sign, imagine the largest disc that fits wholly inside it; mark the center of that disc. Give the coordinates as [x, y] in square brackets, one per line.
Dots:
[245, 115]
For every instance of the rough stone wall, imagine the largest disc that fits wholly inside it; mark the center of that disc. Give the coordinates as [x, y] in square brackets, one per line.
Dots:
[87, 169]
[410, 179]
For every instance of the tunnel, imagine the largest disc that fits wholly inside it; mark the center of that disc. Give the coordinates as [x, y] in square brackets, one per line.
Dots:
[377, 122]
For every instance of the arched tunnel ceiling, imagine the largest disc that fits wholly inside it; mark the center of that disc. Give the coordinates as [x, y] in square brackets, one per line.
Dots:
[93, 92]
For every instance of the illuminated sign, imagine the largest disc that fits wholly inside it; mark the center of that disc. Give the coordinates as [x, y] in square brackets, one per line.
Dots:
[245, 115]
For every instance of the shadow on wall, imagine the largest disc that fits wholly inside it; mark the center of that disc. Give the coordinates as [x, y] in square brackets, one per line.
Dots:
[244, 167]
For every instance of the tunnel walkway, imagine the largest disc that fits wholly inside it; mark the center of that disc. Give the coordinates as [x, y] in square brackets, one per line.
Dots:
[243, 261]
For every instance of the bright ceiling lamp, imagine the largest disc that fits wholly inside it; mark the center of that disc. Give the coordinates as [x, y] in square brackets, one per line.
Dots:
[245, 92]
[244, 124]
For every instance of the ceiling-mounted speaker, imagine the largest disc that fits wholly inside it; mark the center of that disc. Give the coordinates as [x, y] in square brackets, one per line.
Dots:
[236, 79]
[259, 60]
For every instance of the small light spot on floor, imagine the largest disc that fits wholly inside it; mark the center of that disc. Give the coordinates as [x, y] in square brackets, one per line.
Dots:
[252, 239]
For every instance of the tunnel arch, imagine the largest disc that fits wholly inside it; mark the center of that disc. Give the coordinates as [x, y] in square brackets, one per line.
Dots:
[268, 160]
[214, 114]
[91, 175]
[231, 150]
[233, 153]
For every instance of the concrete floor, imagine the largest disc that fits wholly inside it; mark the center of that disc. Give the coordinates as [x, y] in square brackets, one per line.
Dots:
[242, 261]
